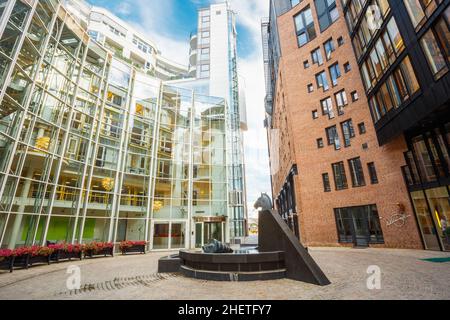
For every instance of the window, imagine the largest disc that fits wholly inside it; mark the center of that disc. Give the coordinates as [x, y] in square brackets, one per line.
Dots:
[204, 54]
[348, 132]
[310, 88]
[355, 96]
[359, 225]
[327, 13]
[320, 144]
[326, 182]
[442, 29]
[333, 137]
[340, 179]
[395, 36]
[362, 128]
[329, 48]
[347, 67]
[340, 41]
[315, 114]
[400, 86]
[327, 107]
[435, 58]
[306, 64]
[372, 173]
[335, 74]
[322, 82]
[294, 3]
[356, 172]
[409, 76]
[304, 24]
[341, 101]
[316, 56]
[417, 9]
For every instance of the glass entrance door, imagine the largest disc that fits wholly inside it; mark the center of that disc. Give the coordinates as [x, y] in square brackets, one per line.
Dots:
[168, 235]
[212, 230]
[206, 231]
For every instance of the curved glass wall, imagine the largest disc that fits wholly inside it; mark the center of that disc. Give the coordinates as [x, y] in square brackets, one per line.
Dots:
[93, 150]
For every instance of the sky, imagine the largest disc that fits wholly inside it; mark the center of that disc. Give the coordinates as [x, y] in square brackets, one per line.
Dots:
[168, 24]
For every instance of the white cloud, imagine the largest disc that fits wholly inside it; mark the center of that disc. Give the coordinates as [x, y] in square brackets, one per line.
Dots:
[155, 21]
[124, 8]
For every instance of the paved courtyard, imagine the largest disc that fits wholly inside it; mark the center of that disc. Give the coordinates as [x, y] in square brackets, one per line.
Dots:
[403, 276]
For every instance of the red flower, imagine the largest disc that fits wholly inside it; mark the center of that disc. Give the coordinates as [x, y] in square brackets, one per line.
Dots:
[56, 246]
[129, 244]
[33, 251]
[6, 253]
[99, 246]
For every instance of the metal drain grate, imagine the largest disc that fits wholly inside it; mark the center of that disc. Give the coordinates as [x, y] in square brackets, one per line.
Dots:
[120, 283]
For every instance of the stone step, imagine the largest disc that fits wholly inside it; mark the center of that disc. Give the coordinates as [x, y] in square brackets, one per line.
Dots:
[233, 276]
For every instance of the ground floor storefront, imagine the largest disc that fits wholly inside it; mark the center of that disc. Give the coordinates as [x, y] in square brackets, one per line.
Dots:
[427, 175]
[159, 234]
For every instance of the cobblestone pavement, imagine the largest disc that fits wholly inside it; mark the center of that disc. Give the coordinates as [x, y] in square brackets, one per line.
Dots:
[404, 276]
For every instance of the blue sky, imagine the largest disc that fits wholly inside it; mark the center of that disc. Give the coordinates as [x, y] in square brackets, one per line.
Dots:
[184, 20]
[168, 24]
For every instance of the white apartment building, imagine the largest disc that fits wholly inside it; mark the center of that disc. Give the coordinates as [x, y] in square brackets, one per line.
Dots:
[124, 41]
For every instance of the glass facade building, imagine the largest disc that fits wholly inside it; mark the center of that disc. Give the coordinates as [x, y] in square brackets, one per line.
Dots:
[92, 149]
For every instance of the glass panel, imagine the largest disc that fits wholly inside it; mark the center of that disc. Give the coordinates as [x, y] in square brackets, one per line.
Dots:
[96, 230]
[423, 160]
[433, 53]
[161, 236]
[198, 235]
[425, 222]
[212, 231]
[440, 206]
[178, 235]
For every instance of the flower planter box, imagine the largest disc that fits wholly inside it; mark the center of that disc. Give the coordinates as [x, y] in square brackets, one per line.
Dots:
[29, 260]
[61, 255]
[7, 263]
[91, 253]
[138, 248]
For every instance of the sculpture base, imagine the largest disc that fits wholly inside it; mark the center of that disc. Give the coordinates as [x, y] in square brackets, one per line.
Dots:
[169, 264]
[242, 265]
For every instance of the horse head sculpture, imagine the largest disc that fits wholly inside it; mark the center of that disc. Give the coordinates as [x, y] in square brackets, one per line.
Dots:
[264, 202]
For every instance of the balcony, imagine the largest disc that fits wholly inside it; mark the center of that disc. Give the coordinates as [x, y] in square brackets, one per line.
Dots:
[268, 103]
[193, 40]
[192, 71]
[193, 57]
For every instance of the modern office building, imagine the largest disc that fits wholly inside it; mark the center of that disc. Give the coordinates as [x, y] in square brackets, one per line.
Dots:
[213, 64]
[333, 182]
[97, 147]
[407, 82]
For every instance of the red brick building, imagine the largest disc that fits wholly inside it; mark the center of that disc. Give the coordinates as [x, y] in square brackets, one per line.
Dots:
[332, 181]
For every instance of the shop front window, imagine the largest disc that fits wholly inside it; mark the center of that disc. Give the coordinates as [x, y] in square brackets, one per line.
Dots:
[423, 160]
[359, 225]
[440, 210]
[424, 220]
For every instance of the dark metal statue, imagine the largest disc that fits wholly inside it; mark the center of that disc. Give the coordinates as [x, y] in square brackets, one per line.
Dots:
[264, 203]
[215, 246]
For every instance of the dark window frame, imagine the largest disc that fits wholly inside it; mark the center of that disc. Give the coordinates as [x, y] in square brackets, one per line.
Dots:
[358, 178]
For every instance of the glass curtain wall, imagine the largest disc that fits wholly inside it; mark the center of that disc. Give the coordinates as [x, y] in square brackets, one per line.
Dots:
[90, 149]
